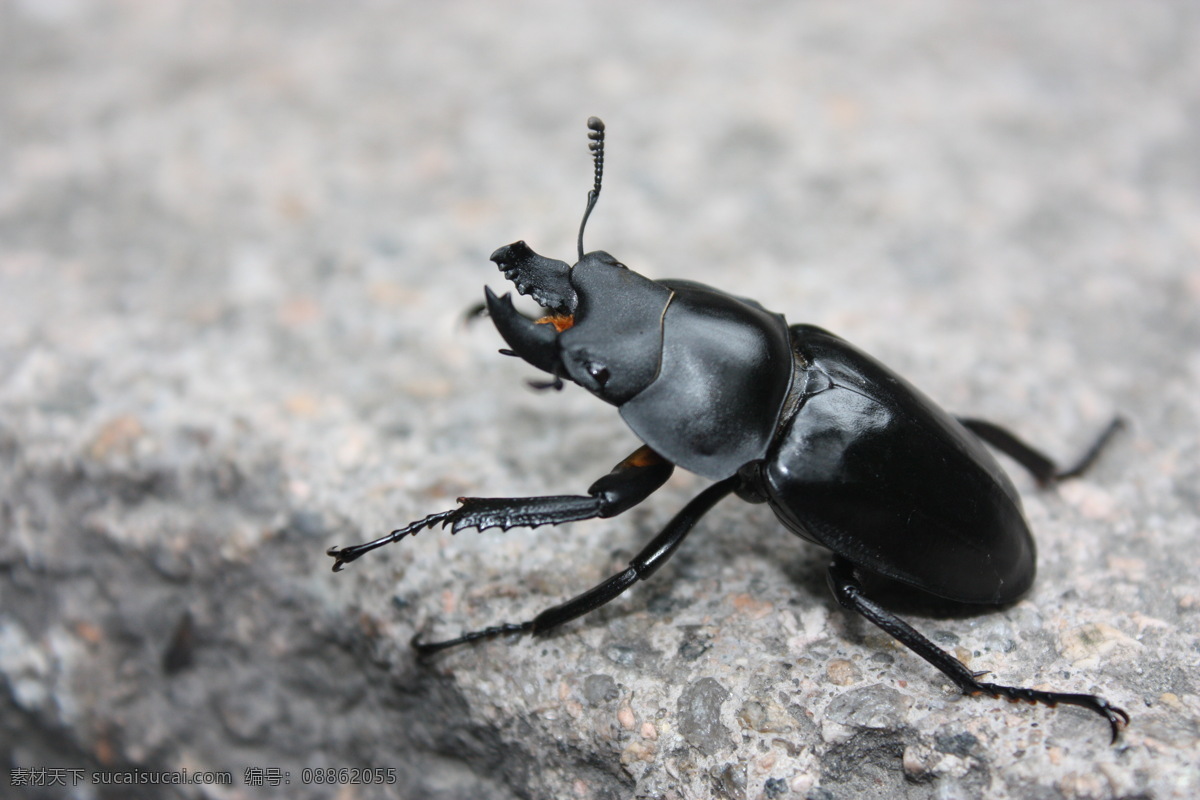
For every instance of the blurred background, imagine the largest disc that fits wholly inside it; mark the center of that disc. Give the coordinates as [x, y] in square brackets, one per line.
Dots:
[236, 244]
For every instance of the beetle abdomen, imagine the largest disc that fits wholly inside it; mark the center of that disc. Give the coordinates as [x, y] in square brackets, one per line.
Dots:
[875, 471]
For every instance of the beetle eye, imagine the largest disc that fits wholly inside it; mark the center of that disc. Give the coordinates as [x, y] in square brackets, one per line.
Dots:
[599, 372]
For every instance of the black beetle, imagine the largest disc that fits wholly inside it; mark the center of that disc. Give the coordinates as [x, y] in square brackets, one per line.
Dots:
[846, 452]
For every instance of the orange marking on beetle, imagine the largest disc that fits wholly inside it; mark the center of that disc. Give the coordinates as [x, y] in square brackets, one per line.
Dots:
[642, 457]
[560, 321]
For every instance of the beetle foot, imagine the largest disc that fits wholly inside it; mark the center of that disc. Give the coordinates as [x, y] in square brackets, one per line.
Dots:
[1089, 457]
[429, 648]
[341, 557]
[344, 555]
[1117, 718]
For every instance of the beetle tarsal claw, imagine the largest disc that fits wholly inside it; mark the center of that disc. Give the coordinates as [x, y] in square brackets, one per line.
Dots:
[339, 558]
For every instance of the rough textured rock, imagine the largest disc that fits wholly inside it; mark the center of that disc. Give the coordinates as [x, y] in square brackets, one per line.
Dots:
[236, 241]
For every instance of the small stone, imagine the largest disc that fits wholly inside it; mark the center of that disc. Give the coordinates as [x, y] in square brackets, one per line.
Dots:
[878, 707]
[699, 712]
[626, 717]
[599, 689]
[842, 672]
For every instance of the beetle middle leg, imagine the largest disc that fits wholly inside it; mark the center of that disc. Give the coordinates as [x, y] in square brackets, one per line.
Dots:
[653, 556]
[849, 594]
[1042, 467]
[629, 483]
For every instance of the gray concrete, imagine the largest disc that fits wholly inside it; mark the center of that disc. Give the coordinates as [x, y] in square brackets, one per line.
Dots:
[235, 243]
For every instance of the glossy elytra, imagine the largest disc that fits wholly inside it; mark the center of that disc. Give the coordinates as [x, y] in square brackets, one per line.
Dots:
[846, 452]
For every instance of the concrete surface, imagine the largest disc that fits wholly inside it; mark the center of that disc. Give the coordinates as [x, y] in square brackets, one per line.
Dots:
[236, 240]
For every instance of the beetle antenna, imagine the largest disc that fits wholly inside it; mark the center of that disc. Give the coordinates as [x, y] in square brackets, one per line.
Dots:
[596, 145]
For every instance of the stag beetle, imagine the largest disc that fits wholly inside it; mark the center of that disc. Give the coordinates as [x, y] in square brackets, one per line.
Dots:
[846, 452]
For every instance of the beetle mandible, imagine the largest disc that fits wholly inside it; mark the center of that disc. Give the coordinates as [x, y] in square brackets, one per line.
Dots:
[846, 452]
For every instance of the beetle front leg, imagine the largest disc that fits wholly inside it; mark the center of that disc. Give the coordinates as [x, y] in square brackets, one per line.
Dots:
[629, 483]
[1043, 468]
[849, 594]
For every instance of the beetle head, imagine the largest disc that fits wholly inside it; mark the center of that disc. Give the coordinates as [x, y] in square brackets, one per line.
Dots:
[603, 329]
[699, 375]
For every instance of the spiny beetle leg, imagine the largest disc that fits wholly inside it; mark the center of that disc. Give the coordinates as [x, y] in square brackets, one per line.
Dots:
[1043, 468]
[849, 594]
[344, 555]
[629, 483]
[653, 556]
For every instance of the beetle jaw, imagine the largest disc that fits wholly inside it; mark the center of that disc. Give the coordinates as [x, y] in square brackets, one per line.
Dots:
[535, 342]
[546, 280]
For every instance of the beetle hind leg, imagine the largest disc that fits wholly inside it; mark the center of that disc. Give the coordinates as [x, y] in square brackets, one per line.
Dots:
[1044, 470]
[849, 594]
[653, 556]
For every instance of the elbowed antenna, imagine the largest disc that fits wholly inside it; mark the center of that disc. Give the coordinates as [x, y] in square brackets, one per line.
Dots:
[596, 145]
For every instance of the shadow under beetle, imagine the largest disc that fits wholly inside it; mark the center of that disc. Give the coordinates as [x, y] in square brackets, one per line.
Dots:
[845, 451]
